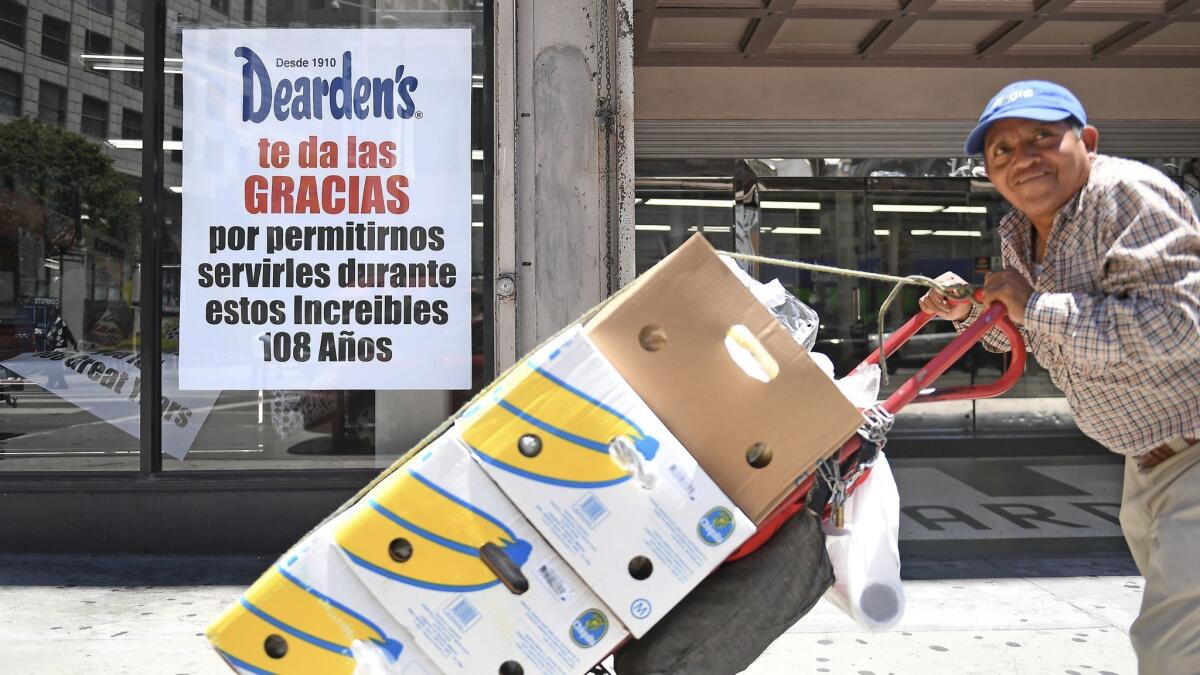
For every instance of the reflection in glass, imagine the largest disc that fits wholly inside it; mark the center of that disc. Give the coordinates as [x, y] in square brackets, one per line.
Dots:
[69, 249]
[294, 429]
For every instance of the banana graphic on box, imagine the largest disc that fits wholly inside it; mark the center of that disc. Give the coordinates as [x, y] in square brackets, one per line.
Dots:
[409, 529]
[543, 428]
[285, 624]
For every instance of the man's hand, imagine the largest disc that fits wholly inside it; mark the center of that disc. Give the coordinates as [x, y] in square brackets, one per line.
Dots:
[1010, 288]
[936, 304]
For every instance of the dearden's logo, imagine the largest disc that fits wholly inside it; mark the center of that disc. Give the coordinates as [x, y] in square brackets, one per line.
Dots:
[343, 97]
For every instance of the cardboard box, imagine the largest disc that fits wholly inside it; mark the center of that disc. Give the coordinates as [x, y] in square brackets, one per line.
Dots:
[453, 560]
[667, 336]
[643, 533]
[310, 614]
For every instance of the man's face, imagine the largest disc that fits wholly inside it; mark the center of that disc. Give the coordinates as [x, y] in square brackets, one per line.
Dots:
[1037, 166]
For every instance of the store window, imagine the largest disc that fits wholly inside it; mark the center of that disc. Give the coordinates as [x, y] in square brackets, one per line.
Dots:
[306, 429]
[94, 120]
[12, 23]
[52, 103]
[71, 270]
[10, 93]
[56, 39]
[899, 217]
[69, 236]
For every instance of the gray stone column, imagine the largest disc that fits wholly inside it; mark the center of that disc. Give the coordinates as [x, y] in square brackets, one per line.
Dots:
[563, 74]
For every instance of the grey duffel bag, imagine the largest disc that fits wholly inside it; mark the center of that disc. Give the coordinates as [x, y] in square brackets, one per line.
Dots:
[723, 625]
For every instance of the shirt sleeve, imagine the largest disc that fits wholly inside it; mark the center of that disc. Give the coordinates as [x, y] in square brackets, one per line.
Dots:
[994, 340]
[1149, 305]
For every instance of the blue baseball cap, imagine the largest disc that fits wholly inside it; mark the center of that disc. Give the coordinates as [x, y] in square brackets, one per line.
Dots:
[1027, 99]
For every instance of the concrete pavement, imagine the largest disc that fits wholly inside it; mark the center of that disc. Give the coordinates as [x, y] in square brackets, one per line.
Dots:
[965, 614]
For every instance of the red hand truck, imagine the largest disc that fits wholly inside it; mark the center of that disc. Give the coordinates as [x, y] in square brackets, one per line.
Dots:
[916, 390]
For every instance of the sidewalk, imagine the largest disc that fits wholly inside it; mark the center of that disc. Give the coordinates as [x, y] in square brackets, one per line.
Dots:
[144, 615]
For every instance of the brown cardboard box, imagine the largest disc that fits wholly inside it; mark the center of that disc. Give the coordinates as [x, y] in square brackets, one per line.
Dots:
[682, 310]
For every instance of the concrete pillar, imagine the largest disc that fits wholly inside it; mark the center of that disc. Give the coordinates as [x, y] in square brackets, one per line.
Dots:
[563, 185]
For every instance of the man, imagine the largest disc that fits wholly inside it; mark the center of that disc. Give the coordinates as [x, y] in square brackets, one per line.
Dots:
[1102, 272]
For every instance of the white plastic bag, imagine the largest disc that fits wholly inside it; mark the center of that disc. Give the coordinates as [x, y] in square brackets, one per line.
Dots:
[860, 388]
[865, 553]
[798, 318]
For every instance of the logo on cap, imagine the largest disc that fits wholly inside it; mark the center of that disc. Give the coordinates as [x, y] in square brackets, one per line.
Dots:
[1010, 97]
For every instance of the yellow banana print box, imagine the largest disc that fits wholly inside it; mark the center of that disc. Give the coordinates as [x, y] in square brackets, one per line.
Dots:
[455, 562]
[571, 443]
[309, 614]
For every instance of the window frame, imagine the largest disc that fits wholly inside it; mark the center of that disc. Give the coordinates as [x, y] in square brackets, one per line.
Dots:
[134, 78]
[20, 24]
[89, 47]
[106, 6]
[61, 118]
[85, 117]
[64, 41]
[128, 130]
[16, 96]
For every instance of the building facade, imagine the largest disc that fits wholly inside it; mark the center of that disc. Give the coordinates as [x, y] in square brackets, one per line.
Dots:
[603, 134]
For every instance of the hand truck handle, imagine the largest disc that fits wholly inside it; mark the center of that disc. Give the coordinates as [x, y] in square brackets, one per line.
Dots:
[505, 568]
[915, 391]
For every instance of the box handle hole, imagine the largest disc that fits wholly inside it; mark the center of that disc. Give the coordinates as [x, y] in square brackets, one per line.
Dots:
[641, 568]
[750, 355]
[400, 550]
[275, 646]
[759, 455]
[652, 338]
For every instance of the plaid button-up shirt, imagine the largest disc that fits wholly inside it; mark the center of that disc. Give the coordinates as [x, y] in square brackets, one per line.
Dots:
[1115, 313]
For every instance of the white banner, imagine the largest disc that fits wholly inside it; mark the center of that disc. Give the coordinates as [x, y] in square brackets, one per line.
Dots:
[326, 209]
[108, 384]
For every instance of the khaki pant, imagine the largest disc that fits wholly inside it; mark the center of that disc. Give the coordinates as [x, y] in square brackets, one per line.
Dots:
[1160, 516]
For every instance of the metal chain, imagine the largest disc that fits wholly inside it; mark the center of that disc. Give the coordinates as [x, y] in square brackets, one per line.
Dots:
[878, 425]
[952, 291]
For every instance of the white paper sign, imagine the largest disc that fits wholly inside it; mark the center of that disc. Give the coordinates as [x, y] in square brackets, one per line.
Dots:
[108, 384]
[326, 209]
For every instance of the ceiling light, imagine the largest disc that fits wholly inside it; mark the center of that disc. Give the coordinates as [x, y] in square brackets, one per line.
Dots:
[799, 206]
[177, 189]
[476, 199]
[906, 208]
[957, 233]
[926, 208]
[131, 64]
[883, 233]
[720, 203]
[653, 228]
[136, 144]
[477, 155]
[797, 230]
[476, 223]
